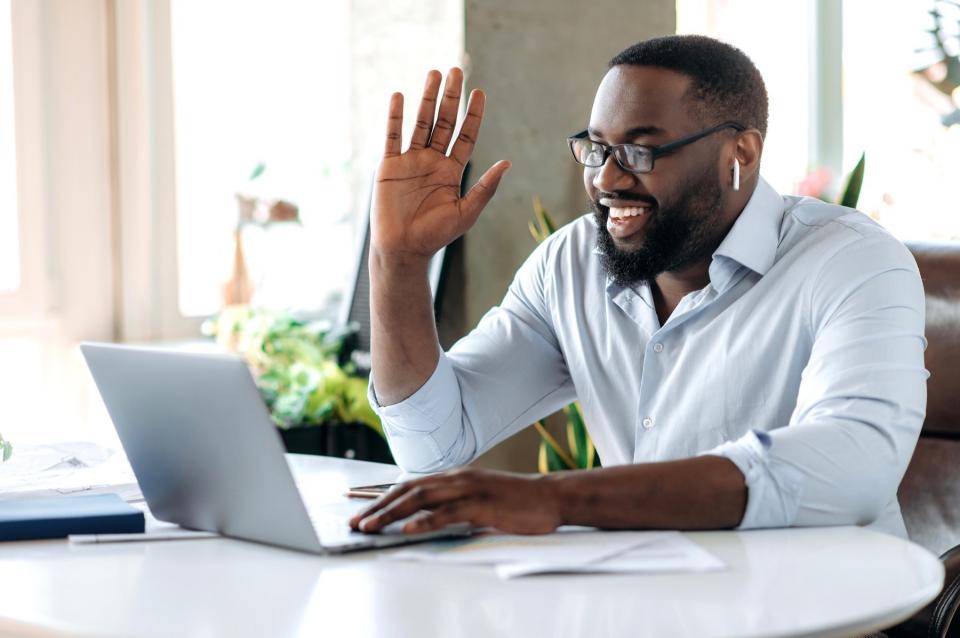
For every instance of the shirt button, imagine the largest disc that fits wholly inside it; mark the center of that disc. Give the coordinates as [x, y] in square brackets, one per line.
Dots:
[647, 423]
[658, 347]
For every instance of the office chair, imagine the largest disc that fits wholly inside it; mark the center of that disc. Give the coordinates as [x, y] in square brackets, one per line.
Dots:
[930, 491]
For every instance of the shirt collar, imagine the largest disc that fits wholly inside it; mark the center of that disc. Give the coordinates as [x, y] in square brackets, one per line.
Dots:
[755, 236]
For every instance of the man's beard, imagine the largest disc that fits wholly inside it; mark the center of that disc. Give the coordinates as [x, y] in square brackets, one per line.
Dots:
[677, 235]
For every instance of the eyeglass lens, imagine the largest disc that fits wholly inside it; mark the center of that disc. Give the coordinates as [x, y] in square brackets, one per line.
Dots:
[630, 157]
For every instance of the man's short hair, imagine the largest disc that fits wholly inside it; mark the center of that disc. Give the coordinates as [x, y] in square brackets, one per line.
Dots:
[726, 86]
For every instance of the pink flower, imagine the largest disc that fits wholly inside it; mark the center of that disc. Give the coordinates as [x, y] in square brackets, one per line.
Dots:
[815, 183]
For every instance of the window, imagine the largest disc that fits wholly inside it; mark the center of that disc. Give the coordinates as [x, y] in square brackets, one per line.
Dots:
[172, 104]
[301, 88]
[897, 100]
[274, 90]
[9, 228]
[907, 126]
[783, 57]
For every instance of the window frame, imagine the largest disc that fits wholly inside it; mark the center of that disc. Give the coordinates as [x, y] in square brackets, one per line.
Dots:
[145, 191]
[29, 302]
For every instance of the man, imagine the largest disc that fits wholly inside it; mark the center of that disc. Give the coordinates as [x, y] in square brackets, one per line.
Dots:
[742, 359]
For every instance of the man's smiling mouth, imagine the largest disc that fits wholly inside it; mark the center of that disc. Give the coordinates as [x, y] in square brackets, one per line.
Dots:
[626, 217]
[630, 211]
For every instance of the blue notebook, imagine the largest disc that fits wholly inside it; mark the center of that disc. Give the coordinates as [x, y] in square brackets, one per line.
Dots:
[60, 516]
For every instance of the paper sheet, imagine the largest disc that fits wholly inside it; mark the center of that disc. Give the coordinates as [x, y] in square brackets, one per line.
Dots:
[670, 552]
[568, 545]
[570, 550]
[67, 468]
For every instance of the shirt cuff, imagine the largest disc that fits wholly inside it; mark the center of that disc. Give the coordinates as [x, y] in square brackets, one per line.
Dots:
[773, 487]
[423, 428]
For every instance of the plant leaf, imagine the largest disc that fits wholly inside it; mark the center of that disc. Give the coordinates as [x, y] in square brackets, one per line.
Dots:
[566, 461]
[543, 463]
[534, 232]
[851, 192]
[548, 461]
[593, 460]
[257, 171]
[577, 436]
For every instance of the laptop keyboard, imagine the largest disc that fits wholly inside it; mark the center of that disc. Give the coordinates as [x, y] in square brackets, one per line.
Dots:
[331, 528]
[332, 522]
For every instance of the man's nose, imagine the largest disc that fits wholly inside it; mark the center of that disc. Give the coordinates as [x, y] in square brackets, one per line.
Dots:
[611, 177]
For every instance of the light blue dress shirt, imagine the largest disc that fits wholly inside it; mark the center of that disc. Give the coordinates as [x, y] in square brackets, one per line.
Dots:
[801, 362]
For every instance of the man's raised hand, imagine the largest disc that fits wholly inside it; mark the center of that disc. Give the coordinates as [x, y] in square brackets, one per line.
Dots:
[417, 208]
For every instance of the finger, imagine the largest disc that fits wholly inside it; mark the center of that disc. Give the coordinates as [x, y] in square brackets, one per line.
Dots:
[463, 147]
[443, 516]
[447, 116]
[459, 475]
[477, 197]
[415, 500]
[394, 125]
[390, 496]
[428, 105]
[382, 501]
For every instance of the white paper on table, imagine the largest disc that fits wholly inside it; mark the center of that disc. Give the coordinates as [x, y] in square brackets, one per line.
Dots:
[569, 546]
[67, 468]
[669, 552]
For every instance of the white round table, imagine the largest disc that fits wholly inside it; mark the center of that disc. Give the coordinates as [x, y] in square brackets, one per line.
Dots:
[842, 581]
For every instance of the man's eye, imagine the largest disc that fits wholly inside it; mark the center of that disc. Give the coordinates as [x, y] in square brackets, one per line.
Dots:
[594, 154]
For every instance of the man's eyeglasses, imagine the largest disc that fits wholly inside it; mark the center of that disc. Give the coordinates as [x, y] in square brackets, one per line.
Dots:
[634, 158]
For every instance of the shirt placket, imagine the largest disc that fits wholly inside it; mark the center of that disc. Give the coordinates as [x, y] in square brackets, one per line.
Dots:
[657, 362]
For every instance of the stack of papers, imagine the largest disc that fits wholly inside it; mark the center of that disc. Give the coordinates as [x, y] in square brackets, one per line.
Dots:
[572, 551]
[67, 468]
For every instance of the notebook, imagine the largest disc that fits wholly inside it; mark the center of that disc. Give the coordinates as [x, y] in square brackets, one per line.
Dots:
[60, 516]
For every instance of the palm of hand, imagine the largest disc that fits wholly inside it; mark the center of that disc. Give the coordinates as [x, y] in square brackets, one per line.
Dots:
[423, 186]
[417, 208]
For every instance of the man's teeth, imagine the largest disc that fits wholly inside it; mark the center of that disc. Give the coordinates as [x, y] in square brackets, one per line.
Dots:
[633, 211]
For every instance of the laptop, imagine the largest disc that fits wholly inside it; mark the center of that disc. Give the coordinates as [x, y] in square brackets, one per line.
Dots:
[207, 455]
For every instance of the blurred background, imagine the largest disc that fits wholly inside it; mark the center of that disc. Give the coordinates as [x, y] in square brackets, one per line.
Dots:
[165, 162]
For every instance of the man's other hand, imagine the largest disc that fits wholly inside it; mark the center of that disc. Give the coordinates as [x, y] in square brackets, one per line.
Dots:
[512, 503]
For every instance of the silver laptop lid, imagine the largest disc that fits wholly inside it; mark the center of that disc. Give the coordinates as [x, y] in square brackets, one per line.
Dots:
[201, 443]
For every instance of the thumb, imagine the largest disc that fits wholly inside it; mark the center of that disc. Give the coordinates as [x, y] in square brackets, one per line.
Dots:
[477, 197]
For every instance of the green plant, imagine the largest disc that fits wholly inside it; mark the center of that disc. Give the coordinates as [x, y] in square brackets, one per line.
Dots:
[301, 368]
[579, 452]
[816, 183]
[851, 191]
[6, 449]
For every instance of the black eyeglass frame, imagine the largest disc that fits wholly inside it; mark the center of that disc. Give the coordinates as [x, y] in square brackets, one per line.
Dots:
[655, 151]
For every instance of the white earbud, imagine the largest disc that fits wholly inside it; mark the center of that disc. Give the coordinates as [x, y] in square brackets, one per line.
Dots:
[736, 175]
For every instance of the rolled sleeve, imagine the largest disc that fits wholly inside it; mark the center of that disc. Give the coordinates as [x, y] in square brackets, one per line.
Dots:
[419, 428]
[507, 373]
[860, 405]
[773, 489]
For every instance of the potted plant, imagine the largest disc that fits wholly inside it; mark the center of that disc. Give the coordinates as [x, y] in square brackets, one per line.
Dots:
[316, 396]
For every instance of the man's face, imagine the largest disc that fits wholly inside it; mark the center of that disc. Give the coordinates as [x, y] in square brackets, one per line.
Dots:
[671, 217]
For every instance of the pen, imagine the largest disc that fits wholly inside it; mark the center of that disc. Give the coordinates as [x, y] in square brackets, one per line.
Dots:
[83, 539]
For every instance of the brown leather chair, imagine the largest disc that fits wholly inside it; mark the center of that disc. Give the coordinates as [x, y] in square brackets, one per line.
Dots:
[930, 491]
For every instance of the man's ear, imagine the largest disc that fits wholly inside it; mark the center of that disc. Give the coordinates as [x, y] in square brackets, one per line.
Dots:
[747, 151]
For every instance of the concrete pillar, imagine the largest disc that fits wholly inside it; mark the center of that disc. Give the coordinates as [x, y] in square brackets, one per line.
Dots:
[540, 62]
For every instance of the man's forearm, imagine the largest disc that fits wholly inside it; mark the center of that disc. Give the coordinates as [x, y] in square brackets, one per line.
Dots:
[403, 333]
[704, 492]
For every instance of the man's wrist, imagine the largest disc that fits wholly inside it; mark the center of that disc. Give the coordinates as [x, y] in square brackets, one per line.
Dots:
[560, 491]
[398, 263]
